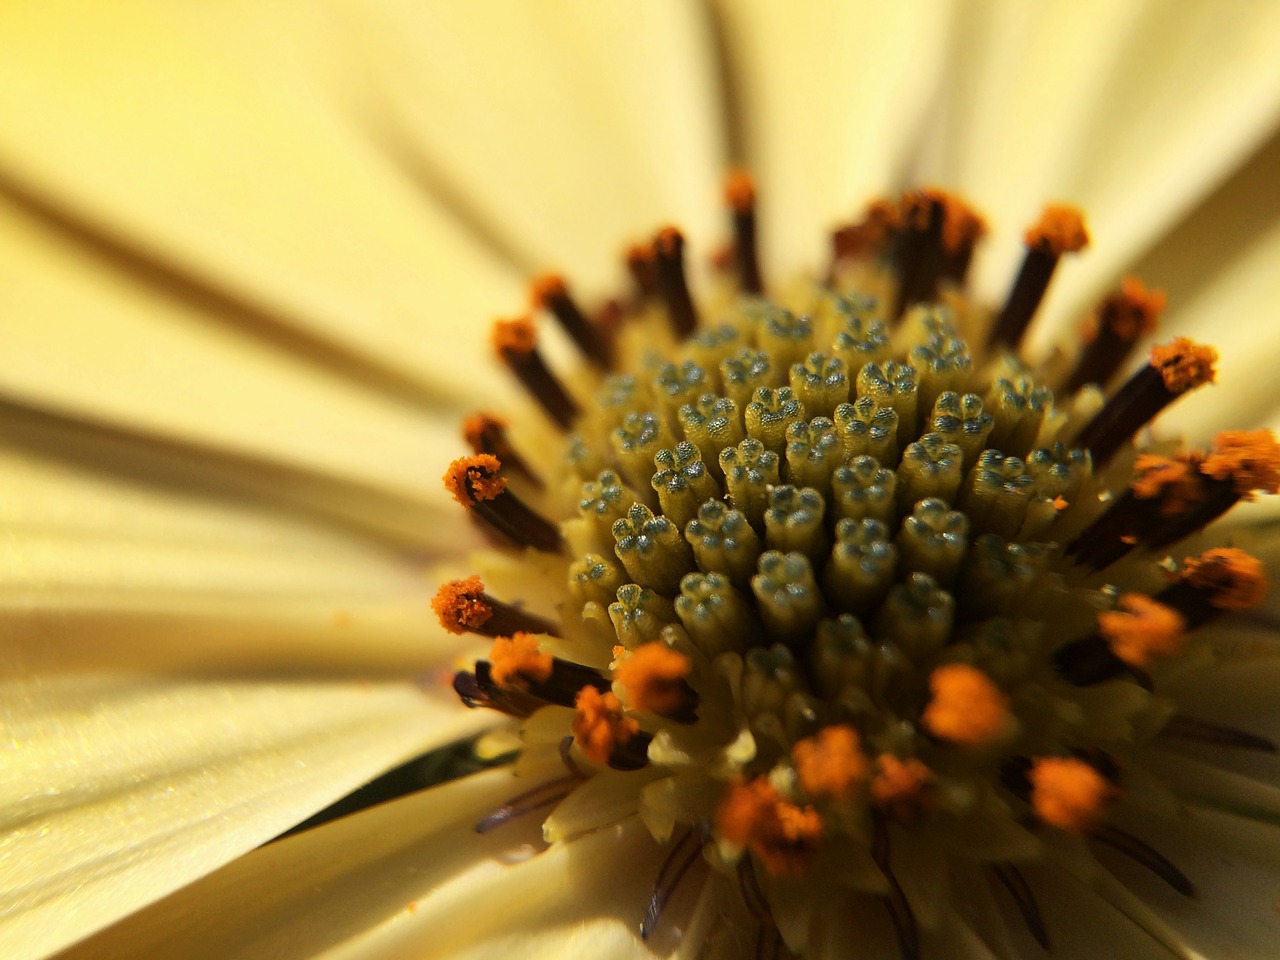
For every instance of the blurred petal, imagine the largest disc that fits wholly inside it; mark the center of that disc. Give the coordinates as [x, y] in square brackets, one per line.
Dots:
[119, 790]
[1134, 111]
[408, 879]
[124, 122]
[831, 96]
[93, 342]
[97, 572]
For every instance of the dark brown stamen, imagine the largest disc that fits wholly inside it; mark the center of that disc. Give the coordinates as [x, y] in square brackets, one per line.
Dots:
[664, 885]
[1024, 899]
[668, 253]
[486, 433]
[1219, 735]
[740, 195]
[539, 798]
[464, 607]
[550, 293]
[962, 228]
[895, 901]
[1059, 230]
[872, 236]
[920, 253]
[1144, 855]
[476, 484]
[644, 271]
[1090, 660]
[1174, 369]
[1219, 580]
[1111, 332]
[517, 346]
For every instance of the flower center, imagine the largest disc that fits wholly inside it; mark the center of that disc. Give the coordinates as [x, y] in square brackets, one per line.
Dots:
[844, 573]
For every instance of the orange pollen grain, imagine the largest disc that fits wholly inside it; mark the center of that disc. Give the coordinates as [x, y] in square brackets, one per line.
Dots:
[916, 206]
[599, 725]
[484, 433]
[967, 708]
[1184, 364]
[474, 479]
[1068, 793]
[548, 287]
[961, 225]
[1133, 311]
[782, 835]
[668, 242]
[739, 191]
[1142, 629]
[514, 336]
[517, 658]
[1236, 579]
[1250, 459]
[1059, 230]
[830, 764]
[651, 678]
[899, 784]
[1174, 481]
[460, 605]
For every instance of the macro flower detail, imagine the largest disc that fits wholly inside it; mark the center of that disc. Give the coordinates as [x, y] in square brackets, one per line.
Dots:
[839, 575]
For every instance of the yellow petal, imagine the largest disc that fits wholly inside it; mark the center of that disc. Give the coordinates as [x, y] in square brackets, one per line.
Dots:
[1134, 111]
[829, 96]
[98, 572]
[141, 129]
[118, 790]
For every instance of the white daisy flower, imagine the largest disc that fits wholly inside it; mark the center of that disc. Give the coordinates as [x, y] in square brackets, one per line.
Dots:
[883, 617]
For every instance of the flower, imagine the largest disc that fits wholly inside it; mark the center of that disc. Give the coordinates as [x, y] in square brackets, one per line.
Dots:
[245, 210]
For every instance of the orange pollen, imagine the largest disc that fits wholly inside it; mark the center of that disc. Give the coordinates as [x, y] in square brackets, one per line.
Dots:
[460, 605]
[517, 658]
[599, 725]
[1236, 578]
[1069, 794]
[1134, 311]
[961, 225]
[1059, 230]
[1174, 481]
[514, 336]
[651, 678]
[484, 433]
[1142, 629]
[830, 764]
[899, 785]
[782, 835]
[1250, 459]
[739, 191]
[1184, 364]
[668, 242]
[473, 479]
[546, 288]
[967, 708]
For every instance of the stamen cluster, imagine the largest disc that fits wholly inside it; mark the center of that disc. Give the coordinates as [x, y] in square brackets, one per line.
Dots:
[833, 570]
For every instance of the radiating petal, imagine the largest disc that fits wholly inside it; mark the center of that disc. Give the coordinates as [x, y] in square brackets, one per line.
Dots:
[830, 97]
[129, 124]
[118, 790]
[1134, 111]
[87, 340]
[408, 879]
[577, 128]
[100, 573]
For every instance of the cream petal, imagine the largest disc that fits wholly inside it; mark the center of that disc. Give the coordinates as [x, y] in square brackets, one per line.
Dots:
[408, 879]
[97, 572]
[1232, 863]
[94, 342]
[137, 127]
[120, 789]
[830, 97]
[1135, 111]
[578, 126]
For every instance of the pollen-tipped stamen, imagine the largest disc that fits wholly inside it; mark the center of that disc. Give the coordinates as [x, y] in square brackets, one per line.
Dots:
[1059, 230]
[740, 195]
[486, 433]
[549, 292]
[1112, 330]
[476, 484]
[517, 346]
[463, 607]
[668, 253]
